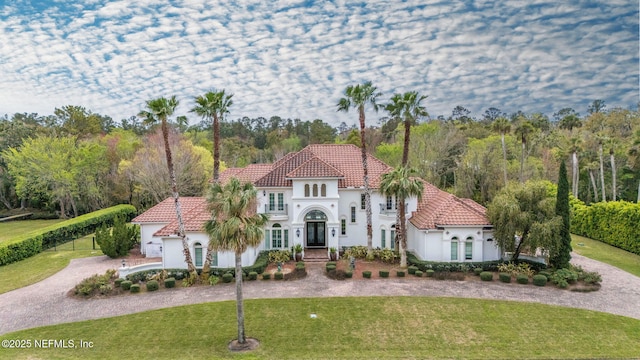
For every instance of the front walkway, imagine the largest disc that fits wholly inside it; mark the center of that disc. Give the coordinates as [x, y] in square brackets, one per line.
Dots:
[47, 303]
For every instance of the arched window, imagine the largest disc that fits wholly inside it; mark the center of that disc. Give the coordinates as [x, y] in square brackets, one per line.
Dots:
[197, 247]
[315, 215]
[306, 190]
[454, 248]
[323, 190]
[315, 190]
[468, 249]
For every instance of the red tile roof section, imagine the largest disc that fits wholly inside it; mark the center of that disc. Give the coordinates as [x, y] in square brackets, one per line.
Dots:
[165, 211]
[250, 173]
[315, 168]
[439, 208]
[193, 220]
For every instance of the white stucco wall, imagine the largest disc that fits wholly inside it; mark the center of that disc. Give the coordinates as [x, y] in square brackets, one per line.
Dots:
[148, 241]
[174, 258]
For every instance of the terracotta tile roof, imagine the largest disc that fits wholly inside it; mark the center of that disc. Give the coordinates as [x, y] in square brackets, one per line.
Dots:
[250, 173]
[193, 220]
[439, 208]
[345, 160]
[165, 211]
[315, 168]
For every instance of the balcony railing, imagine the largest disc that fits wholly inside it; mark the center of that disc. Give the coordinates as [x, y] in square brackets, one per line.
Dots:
[386, 210]
[276, 209]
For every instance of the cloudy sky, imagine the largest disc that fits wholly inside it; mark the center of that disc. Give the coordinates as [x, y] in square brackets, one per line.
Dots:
[295, 58]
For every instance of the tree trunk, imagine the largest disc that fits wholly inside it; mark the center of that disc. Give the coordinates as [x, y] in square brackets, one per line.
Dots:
[594, 184]
[524, 146]
[613, 175]
[600, 155]
[239, 299]
[216, 148]
[176, 199]
[638, 199]
[575, 174]
[405, 147]
[403, 234]
[365, 178]
[504, 158]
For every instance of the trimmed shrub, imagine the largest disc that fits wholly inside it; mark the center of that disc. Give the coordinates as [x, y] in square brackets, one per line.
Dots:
[266, 276]
[300, 263]
[226, 278]
[477, 271]
[564, 277]
[384, 273]
[400, 273]
[522, 279]
[329, 263]
[170, 283]
[348, 274]
[539, 280]
[331, 268]
[117, 282]
[253, 275]
[96, 284]
[504, 277]
[278, 275]
[418, 273]
[213, 280]
[546, 274]
[366, 274]
[117, 241]
[300, 266]
[259, 266]
[486, 276]
[152, 285]
[412, 269]
[135, 288]
[126, 285]
[451, 267]
[430, 273]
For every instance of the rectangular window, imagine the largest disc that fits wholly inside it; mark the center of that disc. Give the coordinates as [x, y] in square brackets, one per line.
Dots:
[214, 259]
[393, 239]
[267, 239]
[198, 256]
[363, 202]
[272, 201]
[468, 250]
[454, 250]
[276, 239]
[286, 238]
[343, 226]
[353, 214]
[280, 202]
[383, 240]
[389, 202]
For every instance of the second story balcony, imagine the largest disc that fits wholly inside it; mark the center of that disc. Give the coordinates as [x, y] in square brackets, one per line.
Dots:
[388, 209]
[277, 209]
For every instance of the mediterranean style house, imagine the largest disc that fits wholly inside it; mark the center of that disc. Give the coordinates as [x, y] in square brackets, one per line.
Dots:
[315, 197]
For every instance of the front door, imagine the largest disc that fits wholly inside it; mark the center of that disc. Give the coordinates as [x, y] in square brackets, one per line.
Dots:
[316, 234]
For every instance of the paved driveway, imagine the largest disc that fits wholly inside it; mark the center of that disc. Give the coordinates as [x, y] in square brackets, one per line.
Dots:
[46, 303]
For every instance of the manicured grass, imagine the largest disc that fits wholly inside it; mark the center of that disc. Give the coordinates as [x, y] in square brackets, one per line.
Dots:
[10, 229]
[605, 253]
[41, 266]
[348, 328]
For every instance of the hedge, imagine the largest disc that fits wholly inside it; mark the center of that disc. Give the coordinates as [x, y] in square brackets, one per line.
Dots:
[451, 267]
[32, 243]
[613, 222]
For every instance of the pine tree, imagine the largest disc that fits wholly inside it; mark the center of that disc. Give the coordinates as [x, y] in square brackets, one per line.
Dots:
[561, 257]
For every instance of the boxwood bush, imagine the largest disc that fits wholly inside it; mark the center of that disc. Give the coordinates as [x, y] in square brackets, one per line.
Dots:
[126, 285]
[253, 275]
[384, 273]
[366, 274]
[539, 280]
[152, 285]
[412, 269]
[266, 276]
[348, 274]
[486, 276]
[117, 282]
[430, 272]
[504, 277]
[400, 273]
[170, 283]
[278, 275]
[522, 279]
[227, 277]
[330, 267]
[477, 271]
[418, 273]
[135, 288]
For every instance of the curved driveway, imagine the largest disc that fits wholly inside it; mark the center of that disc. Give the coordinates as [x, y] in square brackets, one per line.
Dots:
[47, 303]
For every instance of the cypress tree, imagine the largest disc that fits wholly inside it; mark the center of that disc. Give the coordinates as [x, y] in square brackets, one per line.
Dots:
[562, 255]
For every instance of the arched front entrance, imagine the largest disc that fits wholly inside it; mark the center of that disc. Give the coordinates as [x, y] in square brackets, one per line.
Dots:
[315, 223]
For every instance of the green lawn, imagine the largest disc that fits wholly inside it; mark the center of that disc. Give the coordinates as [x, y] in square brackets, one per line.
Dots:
[611, 255]
[36, 268]
[11, 229]
[348, 328]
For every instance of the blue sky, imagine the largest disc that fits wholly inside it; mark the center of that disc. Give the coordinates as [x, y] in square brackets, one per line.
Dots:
[295, 58]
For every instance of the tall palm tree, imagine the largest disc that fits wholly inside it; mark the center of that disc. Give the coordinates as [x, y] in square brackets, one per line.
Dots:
[524, 130]
[213, 106]
[408, 108]
[601, 139]
[235, 225]
[160, 110]
[612, 143]
[575, 147]
[358, 96]
[501, 125]
[402, 185]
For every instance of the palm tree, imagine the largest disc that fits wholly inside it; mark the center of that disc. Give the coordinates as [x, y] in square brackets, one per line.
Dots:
[575, 146]
[570, 122]
[358, 96]
[402, 185]
[235, 225]
[591, 167]
[159, 110]
[601, 139]
[523, 131]
[501, 125]
[407, 107]
[612, 143]
[212, 106]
